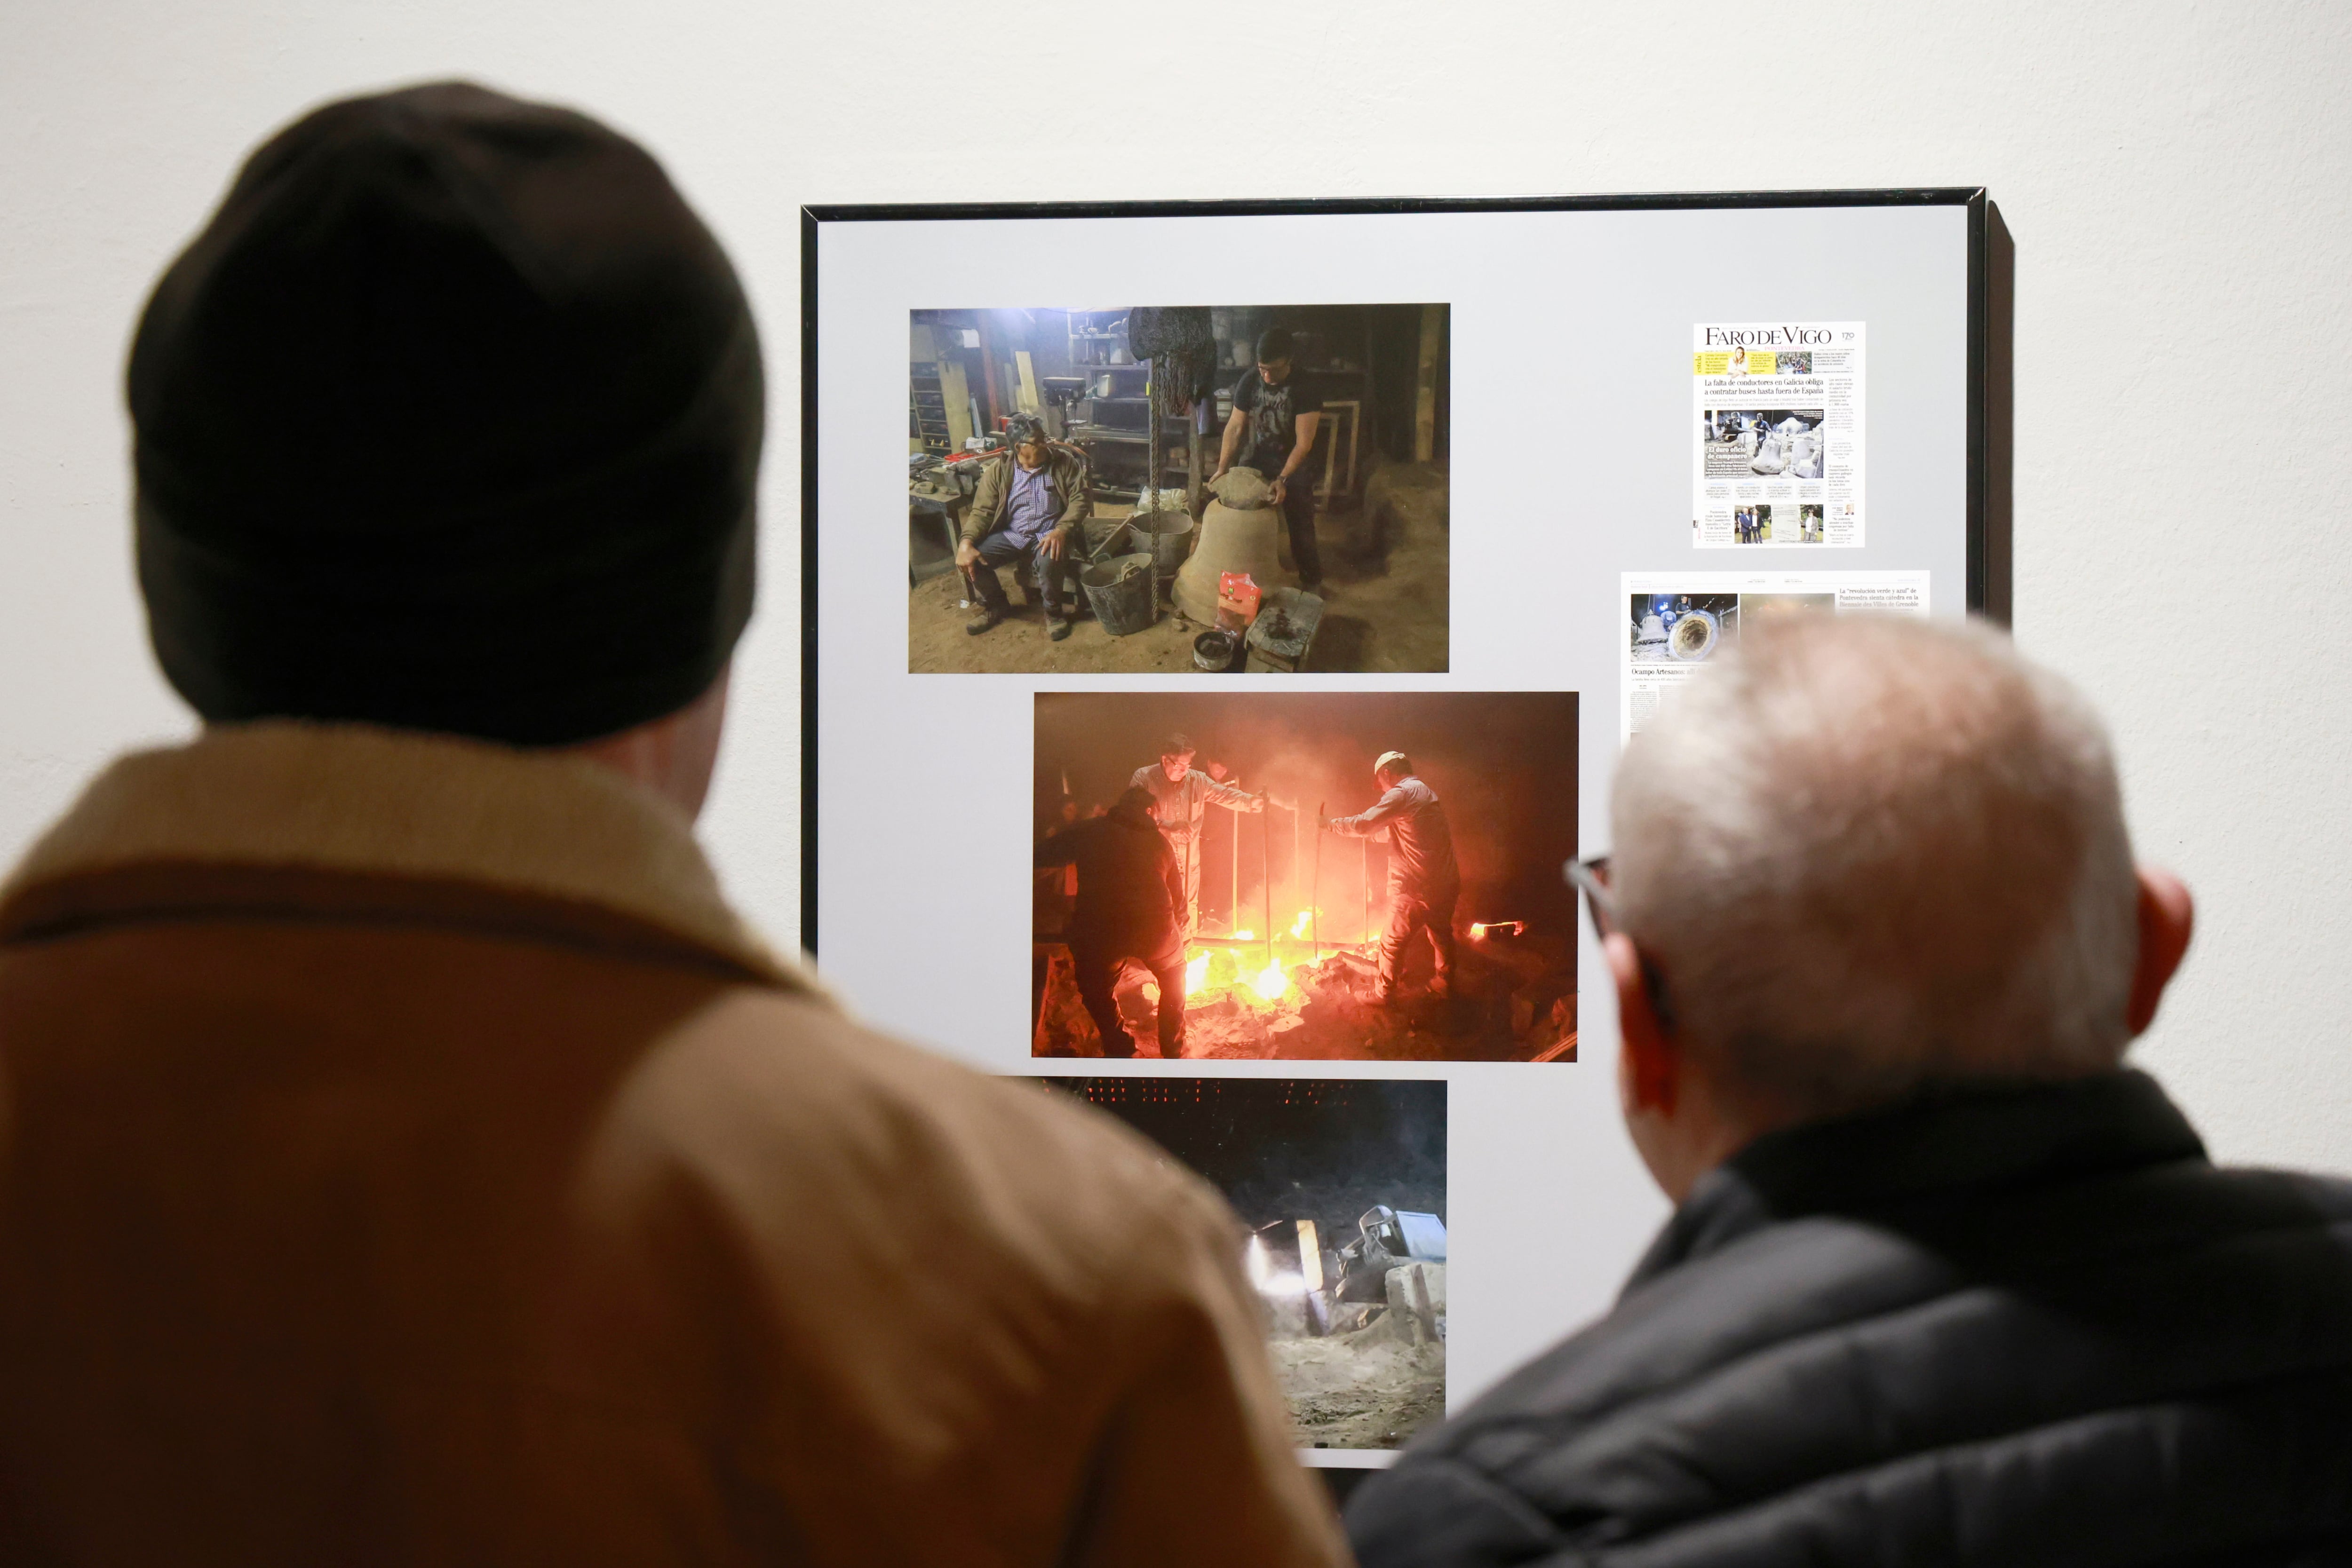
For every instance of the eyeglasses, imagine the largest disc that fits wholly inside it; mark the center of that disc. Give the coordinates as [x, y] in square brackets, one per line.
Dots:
[1591, 878]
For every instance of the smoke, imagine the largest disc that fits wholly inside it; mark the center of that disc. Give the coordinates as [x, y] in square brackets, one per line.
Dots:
[1503, 763]
[1304, 772]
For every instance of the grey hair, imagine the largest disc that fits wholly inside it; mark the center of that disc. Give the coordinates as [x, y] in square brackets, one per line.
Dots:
[1867, 854]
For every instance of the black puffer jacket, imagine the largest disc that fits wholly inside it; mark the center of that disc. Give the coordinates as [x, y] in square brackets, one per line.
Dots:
[2017, 1327]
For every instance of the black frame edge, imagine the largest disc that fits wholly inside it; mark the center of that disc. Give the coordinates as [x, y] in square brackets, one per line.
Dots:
[810, 219]
[906, 212]
[1999, 404]
[1975, 506]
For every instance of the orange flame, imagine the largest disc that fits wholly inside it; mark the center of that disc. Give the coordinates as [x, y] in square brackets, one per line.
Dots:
[1196, 972]
[1270, 982]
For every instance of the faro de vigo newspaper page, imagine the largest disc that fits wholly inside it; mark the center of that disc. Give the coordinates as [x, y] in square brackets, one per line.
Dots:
[1676, 622]
[1778, 453]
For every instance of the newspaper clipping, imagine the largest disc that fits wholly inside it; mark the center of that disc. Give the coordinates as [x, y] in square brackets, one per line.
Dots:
[1779, 450]
[1675, 621]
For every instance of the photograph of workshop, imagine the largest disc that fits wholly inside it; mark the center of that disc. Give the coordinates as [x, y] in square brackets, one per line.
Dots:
[1305, 876]
[1690, 628]
[1169, 490]
[1341, 1184]
[1770, 442]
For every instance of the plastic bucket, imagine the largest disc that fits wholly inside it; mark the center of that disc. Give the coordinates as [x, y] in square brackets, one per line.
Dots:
[1125, 593]
[1167, 534]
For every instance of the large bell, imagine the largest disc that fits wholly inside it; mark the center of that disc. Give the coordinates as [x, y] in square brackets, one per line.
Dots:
[1694, 636]
[1232, 539]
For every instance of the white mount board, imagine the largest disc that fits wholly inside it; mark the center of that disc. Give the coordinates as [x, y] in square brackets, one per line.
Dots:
[1570, 423]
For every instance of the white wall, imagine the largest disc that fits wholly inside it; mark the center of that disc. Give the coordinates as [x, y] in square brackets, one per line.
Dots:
[2178, 178]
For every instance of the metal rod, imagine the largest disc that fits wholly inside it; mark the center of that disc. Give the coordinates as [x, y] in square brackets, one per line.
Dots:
[1234, 909]
[1267, 839]
[1193, 886]
[1367, 864]
[1315, 897]
[1155, 401]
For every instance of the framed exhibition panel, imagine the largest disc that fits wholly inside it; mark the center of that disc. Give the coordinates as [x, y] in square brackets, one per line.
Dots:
[1468, 487]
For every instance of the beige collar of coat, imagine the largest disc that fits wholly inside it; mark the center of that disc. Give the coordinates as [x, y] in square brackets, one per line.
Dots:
[398, 803]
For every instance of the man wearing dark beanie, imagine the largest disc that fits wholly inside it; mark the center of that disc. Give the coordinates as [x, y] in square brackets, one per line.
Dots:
[405, 1154]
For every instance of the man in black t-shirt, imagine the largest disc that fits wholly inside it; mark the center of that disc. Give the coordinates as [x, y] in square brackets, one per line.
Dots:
[1275, 411]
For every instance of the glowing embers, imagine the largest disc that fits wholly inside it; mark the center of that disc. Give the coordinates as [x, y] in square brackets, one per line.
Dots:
[1218, 971]
[1209, 969]
[1230, 968]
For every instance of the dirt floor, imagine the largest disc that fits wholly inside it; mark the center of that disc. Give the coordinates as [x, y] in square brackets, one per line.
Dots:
[1361, 1390]
[1512, 1002]
[1385, 588]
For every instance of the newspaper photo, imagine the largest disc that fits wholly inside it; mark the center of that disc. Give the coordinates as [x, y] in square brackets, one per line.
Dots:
[1676, 622]
[1777, 459]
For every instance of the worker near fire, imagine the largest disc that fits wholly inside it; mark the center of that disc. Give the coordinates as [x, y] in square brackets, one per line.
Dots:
[1131, 907]
[409, 1157]
[1025, 511]
[1275, 411]
[1180, 795]
[1945, 1282]
[1424, 881]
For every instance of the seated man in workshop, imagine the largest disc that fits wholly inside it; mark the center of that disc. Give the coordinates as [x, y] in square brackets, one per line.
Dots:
[1275, 411]
[1130, 900]
[1028, 507]
[1424, 881]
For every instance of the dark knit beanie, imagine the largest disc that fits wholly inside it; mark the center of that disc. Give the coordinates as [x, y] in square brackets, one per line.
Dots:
[449, 420]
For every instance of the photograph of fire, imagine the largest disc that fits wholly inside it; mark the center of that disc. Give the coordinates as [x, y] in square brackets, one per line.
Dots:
[1341, 1182]
[1324, 876]
[1169, 489]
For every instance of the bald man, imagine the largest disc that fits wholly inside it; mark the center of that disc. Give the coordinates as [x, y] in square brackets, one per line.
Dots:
[1945, 1283]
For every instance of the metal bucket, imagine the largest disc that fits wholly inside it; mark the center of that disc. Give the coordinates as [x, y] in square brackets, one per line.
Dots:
[1167, 534]
[1215, 651]
[1125, 593]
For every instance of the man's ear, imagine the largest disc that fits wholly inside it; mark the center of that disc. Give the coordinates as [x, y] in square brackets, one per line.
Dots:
[1649, 1071]
[2167, 917]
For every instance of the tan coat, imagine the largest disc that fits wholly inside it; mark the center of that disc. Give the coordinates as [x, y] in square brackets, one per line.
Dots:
[406, 1159]
[1064, 468]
